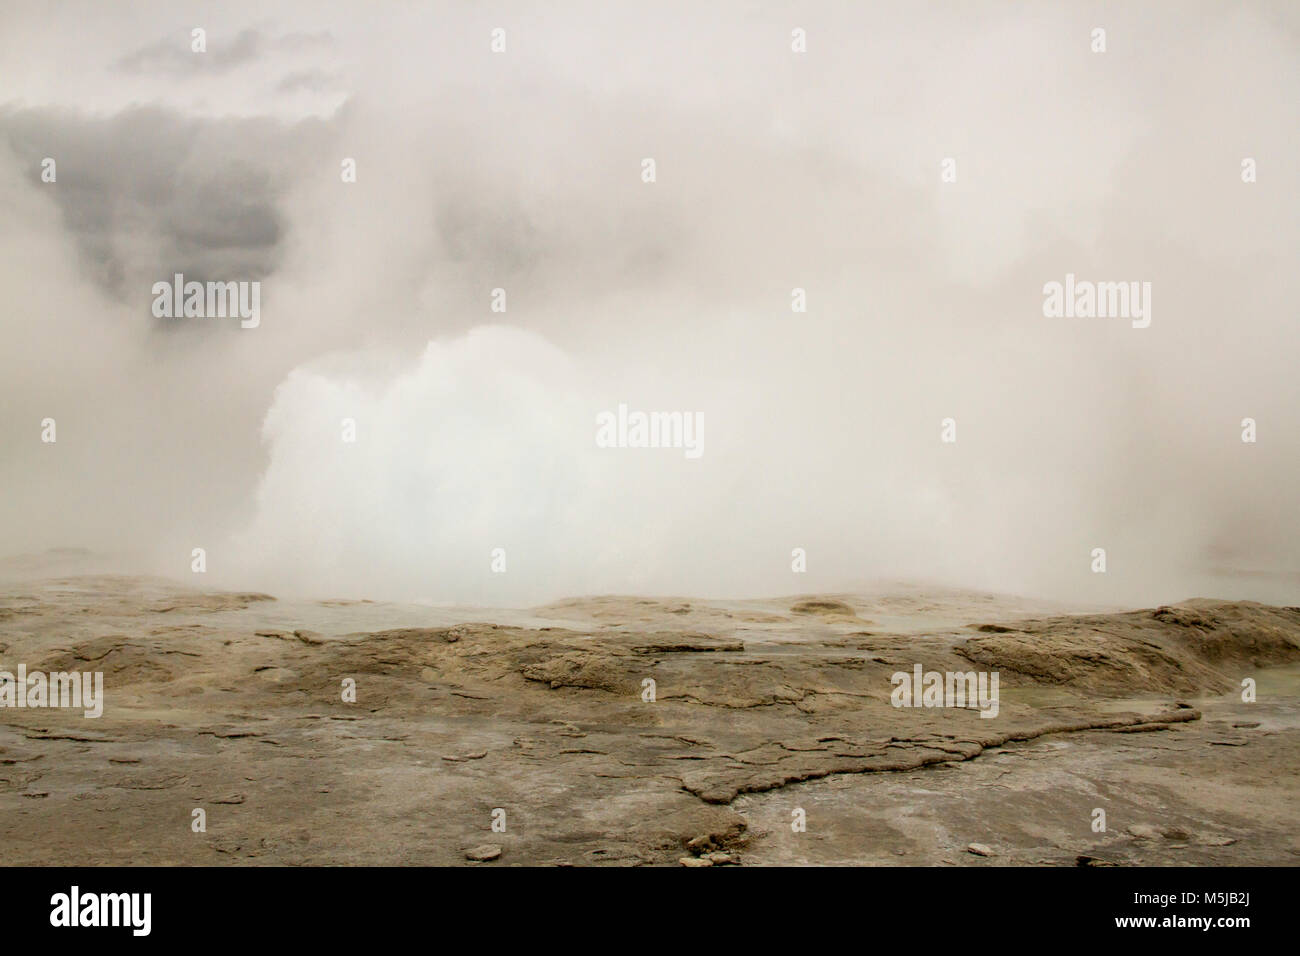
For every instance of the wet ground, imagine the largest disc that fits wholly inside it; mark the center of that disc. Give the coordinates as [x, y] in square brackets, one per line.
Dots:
[540, 722]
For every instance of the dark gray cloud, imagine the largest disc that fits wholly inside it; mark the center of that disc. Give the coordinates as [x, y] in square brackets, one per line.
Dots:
[148, 192]
[176, 55]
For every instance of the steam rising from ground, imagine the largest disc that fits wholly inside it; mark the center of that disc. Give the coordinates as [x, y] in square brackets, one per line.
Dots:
[521, 171]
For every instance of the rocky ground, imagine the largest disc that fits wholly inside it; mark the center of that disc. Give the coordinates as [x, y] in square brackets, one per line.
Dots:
[763, 712]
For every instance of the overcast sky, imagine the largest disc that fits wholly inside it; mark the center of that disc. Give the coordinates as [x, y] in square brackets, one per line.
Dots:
[776, 169]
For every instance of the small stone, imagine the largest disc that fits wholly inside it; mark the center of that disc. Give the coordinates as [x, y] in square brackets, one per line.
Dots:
[461, 758]
[722, 859]
[1247, 724]
[484, 853]
[1144, 832]
[275, 675]
[979, 849]
[695, 861]
[1214, 839]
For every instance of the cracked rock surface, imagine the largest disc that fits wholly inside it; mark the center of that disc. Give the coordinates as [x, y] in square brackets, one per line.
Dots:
[619, 731]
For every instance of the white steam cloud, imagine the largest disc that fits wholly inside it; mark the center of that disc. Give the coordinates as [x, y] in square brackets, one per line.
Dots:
[776, 170]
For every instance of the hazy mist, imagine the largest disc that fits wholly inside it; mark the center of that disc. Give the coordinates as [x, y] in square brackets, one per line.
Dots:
[775, 170]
